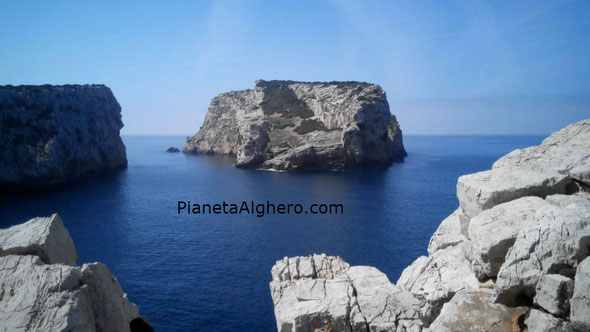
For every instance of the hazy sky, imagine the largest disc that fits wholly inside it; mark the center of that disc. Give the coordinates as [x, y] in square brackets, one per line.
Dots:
[464, 67]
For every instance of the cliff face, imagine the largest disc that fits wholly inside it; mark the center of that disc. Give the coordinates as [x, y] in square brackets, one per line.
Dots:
[287, 125]
[514, 255]
[52, 133]
[43, 289]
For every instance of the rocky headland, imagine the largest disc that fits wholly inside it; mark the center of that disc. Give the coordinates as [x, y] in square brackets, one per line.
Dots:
[42, 289]
[287, 125]
[513, 256]
[49, 134]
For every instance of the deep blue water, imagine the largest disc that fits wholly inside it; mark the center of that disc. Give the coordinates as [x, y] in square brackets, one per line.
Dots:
[211, 272]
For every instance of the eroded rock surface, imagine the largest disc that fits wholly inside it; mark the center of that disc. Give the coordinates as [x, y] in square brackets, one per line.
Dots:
[558, 166]
[565, 152]
[539, 321]
[553, 293]
[322, 292]
[494, 231]
[49, 134]
[580, 302]
[437, 278]
[554, 244]
[286, 125]
[451, 231]
[42, 288]
[46, 238]
[476, 311]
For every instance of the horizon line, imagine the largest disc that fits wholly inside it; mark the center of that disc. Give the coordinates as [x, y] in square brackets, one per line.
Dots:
[410, 134]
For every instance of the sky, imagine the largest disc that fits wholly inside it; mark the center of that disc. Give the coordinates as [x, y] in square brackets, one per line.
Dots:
[448, 67]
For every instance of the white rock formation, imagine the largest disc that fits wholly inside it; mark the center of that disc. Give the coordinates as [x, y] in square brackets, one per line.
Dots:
[382, 305]
[42, 289]
[514, 255]
[437, 278]
[580, 301]
[557, 166]
[564, 152]
[484, 190]
[322, 292]
[286, 125]
[538, 321]
[49, 134]
[43, 237]
[450, 232]
[555, 243]
[493, 232]
[553, 293]
[476, 311]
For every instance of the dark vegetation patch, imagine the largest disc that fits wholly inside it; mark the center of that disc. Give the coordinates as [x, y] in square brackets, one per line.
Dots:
[34, 133]
[309, 125]
[281, 123]
[278, 98]
[370, 98]
[426, 320]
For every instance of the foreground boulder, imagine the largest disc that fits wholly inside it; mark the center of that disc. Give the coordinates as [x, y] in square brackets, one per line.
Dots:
[323, 293]
[437, 278]
[537, 320]
[554, 244]
[451, 231]
[580, 302]
[46, 238]
[484, 190]
[493, 232]
[43, 289]
[286, 125]
[49, 134]
[553, 294]
[476, 311]
[513, 257]
[558, 166]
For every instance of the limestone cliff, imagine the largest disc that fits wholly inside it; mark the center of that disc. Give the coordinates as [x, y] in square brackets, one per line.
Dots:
[42, 288]
[515, 255]
[49, 134]
[286, 125]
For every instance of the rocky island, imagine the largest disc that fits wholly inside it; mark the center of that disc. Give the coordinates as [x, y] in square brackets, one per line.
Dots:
[287, 125]
[42, 289]
[49, 134]
[515, 255]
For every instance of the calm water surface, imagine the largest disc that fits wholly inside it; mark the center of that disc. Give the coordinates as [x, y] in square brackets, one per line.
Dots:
[211, 272]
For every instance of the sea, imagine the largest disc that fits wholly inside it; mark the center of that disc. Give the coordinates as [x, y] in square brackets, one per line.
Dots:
[211, 272]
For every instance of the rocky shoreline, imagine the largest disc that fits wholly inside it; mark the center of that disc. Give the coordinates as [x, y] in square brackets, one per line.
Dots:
[50, 134]
[42, 288]
[513, 256]
[287, 126]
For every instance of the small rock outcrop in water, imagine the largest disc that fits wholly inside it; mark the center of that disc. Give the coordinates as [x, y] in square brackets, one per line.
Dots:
[49, 134]
[286, 125]
[172, 149]
[515, 255]
[42, 288]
